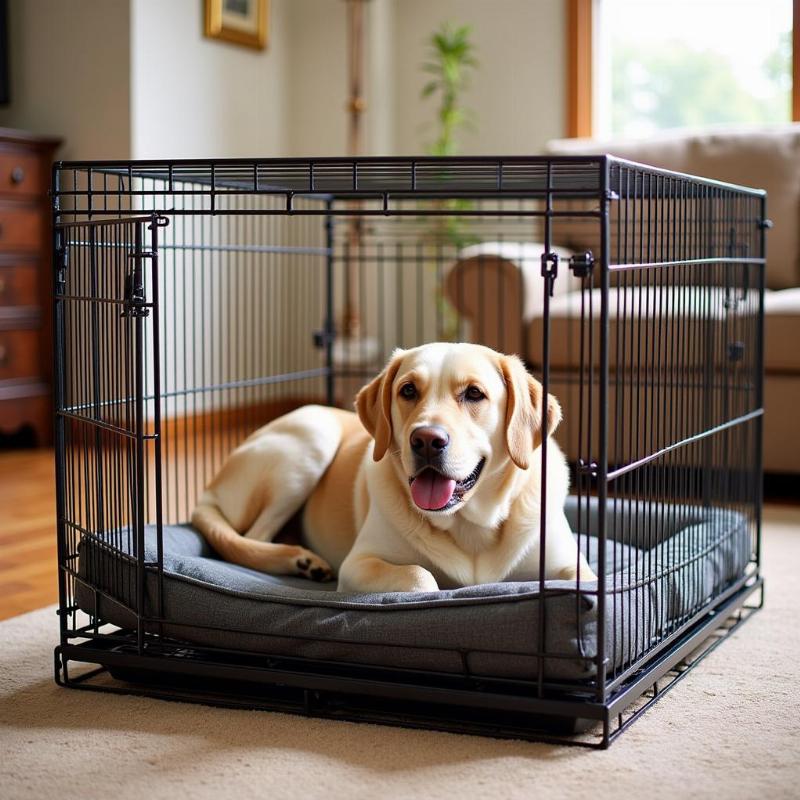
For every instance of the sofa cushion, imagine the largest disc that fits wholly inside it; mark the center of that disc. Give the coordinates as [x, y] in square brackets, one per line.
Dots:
[781, 423]
[782, 331]
[654, 325]
[664, 342]
[685, 306]
[764, 158]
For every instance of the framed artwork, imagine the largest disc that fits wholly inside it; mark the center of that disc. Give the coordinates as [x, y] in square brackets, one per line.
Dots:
[239, 21]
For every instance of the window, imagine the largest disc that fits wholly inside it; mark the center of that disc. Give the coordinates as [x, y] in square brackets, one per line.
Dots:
[654, 65]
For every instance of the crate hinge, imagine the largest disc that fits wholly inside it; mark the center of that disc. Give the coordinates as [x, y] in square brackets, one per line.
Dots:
[550, 270]
[134, 301]
[582, 264]
[323, 338]
[61, 263]
[158, 221]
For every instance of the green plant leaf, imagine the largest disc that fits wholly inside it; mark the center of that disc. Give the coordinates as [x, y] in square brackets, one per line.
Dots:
[429, 88]
[449, 60]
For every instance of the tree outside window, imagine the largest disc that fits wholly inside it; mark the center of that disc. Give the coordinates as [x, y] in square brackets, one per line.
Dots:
[691, 63]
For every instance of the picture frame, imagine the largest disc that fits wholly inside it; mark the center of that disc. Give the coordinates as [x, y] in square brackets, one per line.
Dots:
[243, 22]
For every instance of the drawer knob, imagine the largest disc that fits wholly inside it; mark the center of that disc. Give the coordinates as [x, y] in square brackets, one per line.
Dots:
[17, 175]
[3, 355]
[2, 286]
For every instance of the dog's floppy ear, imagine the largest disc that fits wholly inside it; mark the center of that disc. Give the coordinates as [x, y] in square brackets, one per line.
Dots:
[524, 411]
[553, 417]
[374, 406]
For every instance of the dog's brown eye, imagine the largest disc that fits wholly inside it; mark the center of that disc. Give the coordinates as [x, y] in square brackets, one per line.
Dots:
[474, 394]
[408, 391]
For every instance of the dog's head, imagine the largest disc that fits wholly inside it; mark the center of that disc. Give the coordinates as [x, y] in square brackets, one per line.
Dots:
[450, 414]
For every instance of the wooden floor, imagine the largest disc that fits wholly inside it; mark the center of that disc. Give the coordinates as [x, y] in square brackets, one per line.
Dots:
[28, 574]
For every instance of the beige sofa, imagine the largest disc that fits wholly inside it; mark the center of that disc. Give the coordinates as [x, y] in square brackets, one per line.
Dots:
[507, 277]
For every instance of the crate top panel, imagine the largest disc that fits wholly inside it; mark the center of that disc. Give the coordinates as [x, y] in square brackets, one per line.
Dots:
[380, 178]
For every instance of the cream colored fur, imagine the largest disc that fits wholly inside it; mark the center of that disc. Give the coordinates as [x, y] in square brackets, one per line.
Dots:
[350, 475]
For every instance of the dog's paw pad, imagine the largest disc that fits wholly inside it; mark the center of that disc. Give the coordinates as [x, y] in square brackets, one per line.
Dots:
[313, 567]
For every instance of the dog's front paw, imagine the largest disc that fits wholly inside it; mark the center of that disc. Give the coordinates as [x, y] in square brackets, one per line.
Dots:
[416, 579]
[310, 565]
[571, 574]
[371, 574]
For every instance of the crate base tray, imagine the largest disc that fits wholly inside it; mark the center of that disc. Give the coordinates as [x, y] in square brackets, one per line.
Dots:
[377, 695]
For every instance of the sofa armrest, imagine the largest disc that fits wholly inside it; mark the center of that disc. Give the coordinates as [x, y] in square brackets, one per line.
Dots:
[498, 287]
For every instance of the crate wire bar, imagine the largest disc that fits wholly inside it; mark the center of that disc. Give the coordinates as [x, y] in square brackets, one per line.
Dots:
[195, 300]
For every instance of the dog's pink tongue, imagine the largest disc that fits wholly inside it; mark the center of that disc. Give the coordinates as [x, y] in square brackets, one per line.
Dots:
[431, 490]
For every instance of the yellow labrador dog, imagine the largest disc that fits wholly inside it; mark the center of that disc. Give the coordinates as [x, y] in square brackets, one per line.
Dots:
[436, 482]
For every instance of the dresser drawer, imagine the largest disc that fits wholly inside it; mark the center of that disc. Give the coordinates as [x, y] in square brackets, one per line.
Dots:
[26, 403]
[21, 227]
[18, 285]
[21, 174]
[19, 354]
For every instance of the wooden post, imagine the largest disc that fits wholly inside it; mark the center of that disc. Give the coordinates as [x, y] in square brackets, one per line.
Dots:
[796, 60]
[579, 67]
[351, 322]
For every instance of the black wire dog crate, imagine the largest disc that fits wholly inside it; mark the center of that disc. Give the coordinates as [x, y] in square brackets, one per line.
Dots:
[196, 300]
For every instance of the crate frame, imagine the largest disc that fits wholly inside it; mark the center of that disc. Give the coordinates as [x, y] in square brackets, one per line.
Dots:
[143, 663]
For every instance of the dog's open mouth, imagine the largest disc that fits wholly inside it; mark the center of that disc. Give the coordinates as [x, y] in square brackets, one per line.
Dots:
[432, 491]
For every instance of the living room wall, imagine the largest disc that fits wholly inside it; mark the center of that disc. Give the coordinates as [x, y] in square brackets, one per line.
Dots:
[56, 86]
[316, 116]
[197, 97]
[166, 91]
[518, 90]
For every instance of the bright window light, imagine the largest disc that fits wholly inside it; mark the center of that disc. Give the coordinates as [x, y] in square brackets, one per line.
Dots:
[664, 64]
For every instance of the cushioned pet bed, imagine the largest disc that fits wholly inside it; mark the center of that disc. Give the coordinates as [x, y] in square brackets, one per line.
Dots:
[489, 630]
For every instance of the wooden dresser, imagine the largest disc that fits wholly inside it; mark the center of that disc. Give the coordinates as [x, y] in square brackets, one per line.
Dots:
[25, 284]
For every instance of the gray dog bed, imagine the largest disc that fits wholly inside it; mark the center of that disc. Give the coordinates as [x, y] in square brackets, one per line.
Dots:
[488, 630]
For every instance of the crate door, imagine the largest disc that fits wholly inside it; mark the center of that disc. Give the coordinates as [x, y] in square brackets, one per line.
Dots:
[107, 420]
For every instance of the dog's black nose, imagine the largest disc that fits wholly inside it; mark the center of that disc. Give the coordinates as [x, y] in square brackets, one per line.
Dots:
[429, 441]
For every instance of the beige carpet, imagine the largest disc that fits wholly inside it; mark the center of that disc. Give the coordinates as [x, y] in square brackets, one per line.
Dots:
[730, 730]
